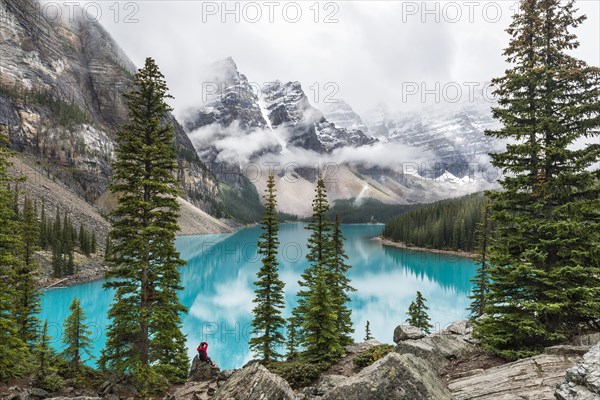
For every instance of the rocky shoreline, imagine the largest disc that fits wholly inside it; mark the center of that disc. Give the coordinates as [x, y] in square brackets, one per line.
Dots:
[400, 245]
[446, 365]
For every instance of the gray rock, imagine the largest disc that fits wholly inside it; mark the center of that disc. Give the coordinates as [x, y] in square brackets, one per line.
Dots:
[360, 347]
[39, 393]
[567, 350]
[533, 378]
[451, 346]
[458, 327]
[424, 351]
[76, 398]
[393, 377]
[582, 382]
[254, 382]
[406, 332]
[203, 371]
[328, 382]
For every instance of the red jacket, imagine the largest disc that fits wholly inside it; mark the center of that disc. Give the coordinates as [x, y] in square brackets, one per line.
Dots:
[203, 351]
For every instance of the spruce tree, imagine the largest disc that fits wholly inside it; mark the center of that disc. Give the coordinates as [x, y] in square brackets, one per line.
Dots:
[321, 339]
[481, 280]
[93, 243]
[317, 306]
[76, 336]
[144, 337]
[291, 343]
[44, 353]
[340, 284]
[269, 295]
[545, 264]
[43, 227]
[368, 335]
[417, 314]
[14, 354]
[27, 295]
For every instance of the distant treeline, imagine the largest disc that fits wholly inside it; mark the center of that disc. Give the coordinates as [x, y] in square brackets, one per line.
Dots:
[447, 224]
[367, 210]
[59, 235]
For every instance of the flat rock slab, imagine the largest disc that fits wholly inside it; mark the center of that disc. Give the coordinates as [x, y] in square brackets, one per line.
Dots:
[532, 378]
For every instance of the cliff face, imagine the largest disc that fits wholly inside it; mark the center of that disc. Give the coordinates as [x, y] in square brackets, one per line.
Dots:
[61, 85]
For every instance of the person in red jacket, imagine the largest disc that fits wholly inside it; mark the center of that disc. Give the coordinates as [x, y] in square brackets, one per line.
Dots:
[203, 353]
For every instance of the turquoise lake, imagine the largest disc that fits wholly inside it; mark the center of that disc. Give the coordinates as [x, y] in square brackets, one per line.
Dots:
[221, 269]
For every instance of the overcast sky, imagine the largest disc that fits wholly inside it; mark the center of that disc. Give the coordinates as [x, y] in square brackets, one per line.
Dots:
[372, 51]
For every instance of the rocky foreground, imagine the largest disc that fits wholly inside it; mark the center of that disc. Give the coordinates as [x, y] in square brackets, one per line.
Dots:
[442, 366]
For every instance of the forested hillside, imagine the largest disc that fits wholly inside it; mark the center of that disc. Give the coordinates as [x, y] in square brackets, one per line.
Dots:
[447, 224]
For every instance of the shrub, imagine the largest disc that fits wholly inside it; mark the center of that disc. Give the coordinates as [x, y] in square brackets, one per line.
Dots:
[371, 355]
[51, 383]
[297, 373]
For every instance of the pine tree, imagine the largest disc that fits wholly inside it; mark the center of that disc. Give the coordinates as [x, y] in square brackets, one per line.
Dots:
[56, 230]
[482, 277]
[43, 227]
[317, 305]
[58, 267]
[93, 243]
[144, 336]
[291, 343]
[319, 325]
[269, 295]
[76, 337]
[417, 314]
[368, 335]
[27, 295]
[82, 240]
[545, 264]
[14, 354]
[44, 353]
[340, 284]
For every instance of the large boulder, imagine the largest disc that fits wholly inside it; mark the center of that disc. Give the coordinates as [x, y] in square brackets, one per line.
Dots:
[529, 378]
[394, 377]
[407, 332]
[425, 351]
[454, 342]
[203, 371]
[254, 382]
[582, 382]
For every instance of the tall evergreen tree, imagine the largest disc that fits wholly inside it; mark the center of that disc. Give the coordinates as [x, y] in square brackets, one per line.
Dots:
[14, 354]
[44, 353]
[317, 305]
[340, 283]
[545, 273]
[291, 343]
[417, 314]
[43, 227]
[481, 280]
[27, 295]
[93, 243]
[144, 336]
[269, 295]
[76, 336]
[368, 335]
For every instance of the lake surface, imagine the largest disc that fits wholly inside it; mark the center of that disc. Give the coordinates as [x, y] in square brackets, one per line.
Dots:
[219, 280]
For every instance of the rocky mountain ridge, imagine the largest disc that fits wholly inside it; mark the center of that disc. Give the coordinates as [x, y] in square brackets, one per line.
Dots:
[237, 123]
[61, 102]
